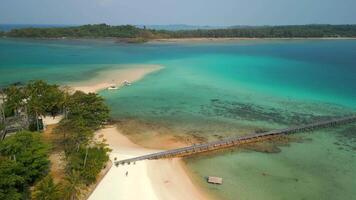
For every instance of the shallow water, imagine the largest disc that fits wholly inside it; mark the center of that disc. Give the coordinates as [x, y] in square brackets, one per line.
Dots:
[213, 90]
[321, 169]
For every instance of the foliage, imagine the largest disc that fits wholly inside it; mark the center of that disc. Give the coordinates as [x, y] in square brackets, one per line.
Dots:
[14, 98]
[10, 180]
[46, 189]
[8, 110]
[2, 126]
[128, 31]
[84, 113]
[73, 186]
[89, 109]
[43, 97]
[74, 133]
[98, 30]
[90, 167]
[298, 31]
[37, 98]
[29, 152]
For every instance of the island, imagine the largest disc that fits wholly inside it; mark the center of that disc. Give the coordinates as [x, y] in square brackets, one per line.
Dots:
[134, 34]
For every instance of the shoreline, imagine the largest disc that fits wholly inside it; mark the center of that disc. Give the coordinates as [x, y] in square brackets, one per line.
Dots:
[183, 40]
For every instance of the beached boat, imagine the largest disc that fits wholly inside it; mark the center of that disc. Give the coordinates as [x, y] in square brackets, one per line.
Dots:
[112, 87]
[215, 180]
[126, 83]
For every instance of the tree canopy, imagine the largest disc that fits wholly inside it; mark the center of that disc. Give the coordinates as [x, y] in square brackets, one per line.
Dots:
[94, 162]
[24, 156]
[89, 109]
[36, 98]
[23, 160]
[43, 98]
[10, 180]
[136, 34]
[29, 151]
[14, 98]
[46, 189]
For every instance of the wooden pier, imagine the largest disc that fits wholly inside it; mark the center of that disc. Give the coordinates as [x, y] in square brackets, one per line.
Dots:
[236, 141]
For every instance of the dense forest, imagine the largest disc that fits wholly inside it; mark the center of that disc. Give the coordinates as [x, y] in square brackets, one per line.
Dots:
[135, 34]
[301, 31]
[27, 156]
[128, 32]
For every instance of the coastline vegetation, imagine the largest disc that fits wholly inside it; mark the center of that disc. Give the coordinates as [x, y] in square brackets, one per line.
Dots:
[132, 34]
[25, 166]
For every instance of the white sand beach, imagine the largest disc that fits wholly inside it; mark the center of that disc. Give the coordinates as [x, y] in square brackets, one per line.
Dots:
[150, 180]
[107, 78]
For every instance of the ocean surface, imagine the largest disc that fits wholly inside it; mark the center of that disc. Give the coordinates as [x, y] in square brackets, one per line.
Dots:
[208, 91]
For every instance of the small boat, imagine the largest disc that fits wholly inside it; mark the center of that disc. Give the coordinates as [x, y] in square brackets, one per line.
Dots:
[126, 83]
[215, 180]
[112, 87]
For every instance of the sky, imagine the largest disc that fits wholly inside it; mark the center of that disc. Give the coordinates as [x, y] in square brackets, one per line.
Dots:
[164, 12]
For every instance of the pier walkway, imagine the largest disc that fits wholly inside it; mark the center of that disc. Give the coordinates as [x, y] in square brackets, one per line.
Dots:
[235, 141]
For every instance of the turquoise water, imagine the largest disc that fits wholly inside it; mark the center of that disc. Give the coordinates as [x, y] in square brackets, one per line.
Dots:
[323, 168]
[213, 90]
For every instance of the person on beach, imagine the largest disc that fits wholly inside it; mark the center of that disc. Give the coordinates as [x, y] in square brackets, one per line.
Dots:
[127, 173]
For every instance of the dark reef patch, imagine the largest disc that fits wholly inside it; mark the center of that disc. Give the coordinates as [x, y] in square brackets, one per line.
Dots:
[252, 112]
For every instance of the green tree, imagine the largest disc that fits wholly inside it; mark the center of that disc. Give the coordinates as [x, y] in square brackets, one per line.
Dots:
[46, 189]
[75, 133]
[65, 100]
[14, 98]
[2, 107]
[43, 98]
[89, 161]
[10, 180]
[88, 108]
[29, 151]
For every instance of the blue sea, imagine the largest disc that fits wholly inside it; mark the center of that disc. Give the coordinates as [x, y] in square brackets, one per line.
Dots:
[211, 90]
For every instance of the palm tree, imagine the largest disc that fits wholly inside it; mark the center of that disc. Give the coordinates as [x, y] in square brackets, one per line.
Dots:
[43, 98]
[2, 116]
[14, 98]
[73, 186]
[46, 189]
[65, 100]
[2, 109]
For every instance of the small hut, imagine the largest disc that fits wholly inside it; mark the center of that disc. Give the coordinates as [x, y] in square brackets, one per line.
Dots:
[215, 180]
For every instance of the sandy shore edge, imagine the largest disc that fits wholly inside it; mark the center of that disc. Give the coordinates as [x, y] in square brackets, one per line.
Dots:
[150, 180]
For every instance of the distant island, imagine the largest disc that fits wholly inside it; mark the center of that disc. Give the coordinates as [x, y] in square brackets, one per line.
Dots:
[129, 33]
